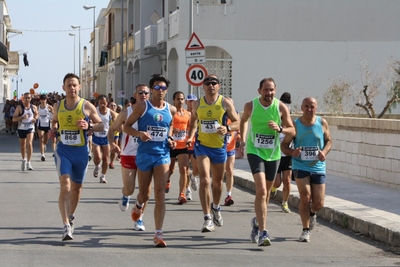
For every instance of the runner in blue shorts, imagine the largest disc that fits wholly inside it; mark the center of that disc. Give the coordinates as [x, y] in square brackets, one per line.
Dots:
[154, 118]
[72, 116]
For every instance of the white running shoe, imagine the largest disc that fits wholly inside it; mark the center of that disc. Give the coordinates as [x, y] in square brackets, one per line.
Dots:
[305, 236]
[124, 203]
[139, 226]
[188, 194]
[67, 235]
[103, 179]
[217, 218]
[193, 182]
[29, 166]
[96, 171]
[208, 226]
[313, 221]
[23, 165]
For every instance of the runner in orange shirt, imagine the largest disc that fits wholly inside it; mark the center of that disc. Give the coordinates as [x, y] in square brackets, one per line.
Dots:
[180, 125]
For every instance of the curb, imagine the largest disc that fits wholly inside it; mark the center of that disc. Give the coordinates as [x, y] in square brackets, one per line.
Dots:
[377, 224]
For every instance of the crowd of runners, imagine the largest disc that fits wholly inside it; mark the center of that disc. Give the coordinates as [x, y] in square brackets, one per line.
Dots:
[200, 135]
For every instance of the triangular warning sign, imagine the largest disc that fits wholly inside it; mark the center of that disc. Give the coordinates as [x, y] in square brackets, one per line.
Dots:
[194, 43]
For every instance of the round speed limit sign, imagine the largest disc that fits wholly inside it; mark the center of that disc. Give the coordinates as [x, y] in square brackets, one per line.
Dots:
[196, 74]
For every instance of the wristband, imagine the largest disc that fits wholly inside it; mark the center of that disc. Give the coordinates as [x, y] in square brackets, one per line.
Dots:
[280, 129]
[170, 138]
[228, 128]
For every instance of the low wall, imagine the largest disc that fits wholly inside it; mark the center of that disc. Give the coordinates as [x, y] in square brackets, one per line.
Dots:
[365, 149]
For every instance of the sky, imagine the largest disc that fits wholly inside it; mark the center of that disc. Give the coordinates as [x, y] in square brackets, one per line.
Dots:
[46, 25]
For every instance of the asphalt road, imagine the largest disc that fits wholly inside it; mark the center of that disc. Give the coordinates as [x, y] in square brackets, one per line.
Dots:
[31, 227]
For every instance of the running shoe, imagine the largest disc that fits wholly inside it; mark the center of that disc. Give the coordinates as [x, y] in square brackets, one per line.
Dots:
[273, 193]
[29, 166]
[254, 230]
[305, 236]
[188, 194]
[217, 218]
[229, 201]
[124, 203]
[71, 219]
[23, 165]
[313, 221]
[193, 182]
[264, 240]
[96, 171]
[167, 187]
[103, 179]
[182, 199]
[136, 213]
[90, 157]
[67, 235]
[208, 225]
[45, 147]
[111, 165]
[43, 158]
[139, 226]
[285, 208]
[158, 240]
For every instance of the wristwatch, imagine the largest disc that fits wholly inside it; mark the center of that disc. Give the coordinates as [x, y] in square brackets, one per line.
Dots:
[90, 126]
[228, 128]
[170, 138]
[280, 129]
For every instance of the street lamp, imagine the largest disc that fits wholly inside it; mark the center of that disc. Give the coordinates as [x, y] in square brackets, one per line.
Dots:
[94, 41]
[80, 67]
[71, 34]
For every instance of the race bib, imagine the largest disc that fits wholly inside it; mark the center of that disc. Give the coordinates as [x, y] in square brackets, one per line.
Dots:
[44, 121]
[158, 134]
[209, 126]
[229, 137]
[101, 134]
[180, 136]
[26, 125]
[70, 137]
[264, 141]
[309, 153]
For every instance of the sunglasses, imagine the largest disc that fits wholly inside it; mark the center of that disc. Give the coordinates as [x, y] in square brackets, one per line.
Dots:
[157, 87]
[212, 83]
[143, 92]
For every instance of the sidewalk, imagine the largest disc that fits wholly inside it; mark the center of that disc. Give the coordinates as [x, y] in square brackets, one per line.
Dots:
[364, 208]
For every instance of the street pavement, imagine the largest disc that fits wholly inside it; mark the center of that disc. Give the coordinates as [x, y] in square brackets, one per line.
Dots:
[31, 227]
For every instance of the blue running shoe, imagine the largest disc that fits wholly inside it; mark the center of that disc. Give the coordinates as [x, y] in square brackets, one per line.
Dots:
[254, 230]
[263, 240]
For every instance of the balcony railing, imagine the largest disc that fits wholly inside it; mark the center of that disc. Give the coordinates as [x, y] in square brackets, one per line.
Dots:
[161, 31]
[150, 36]
[137, 41]
[173, 24]
[131, 44]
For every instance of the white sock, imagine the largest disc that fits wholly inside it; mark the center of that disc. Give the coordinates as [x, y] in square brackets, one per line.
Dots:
[228, 193]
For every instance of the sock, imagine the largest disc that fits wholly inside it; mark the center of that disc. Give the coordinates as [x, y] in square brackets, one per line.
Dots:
[215, 207]
[306, 229]
[141, 217]
[139, 205]
[284, 202]
[103, 175]
[228, 193]
[312, 214]
[158, 232]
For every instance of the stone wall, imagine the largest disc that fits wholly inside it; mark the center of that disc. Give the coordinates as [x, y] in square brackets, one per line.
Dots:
[365, 149]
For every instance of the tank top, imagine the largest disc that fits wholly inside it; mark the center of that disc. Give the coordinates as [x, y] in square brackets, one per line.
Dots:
[129, 143]
[180, 124]
[261, 140]
[310, 139]
[210, 117]
[106, 119]
[27, 124]
[68, 133]
[44, 116]
[156, 122]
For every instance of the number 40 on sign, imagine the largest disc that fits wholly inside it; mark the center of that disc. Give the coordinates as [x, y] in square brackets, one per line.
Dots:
[196, 74]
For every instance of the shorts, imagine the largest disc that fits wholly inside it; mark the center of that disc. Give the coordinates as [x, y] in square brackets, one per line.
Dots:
[257, 165]
[315, 177]
[7, 115]
[72, 160]
[99, 141]
[231, 153]
[147, 162]
[128, 162]
[175, 152]
[216, 155]
[44, 129]
[116, 137]
[22, 134]
[285, 164]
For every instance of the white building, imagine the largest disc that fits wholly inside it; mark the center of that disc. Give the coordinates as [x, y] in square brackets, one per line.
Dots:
[302, 44]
